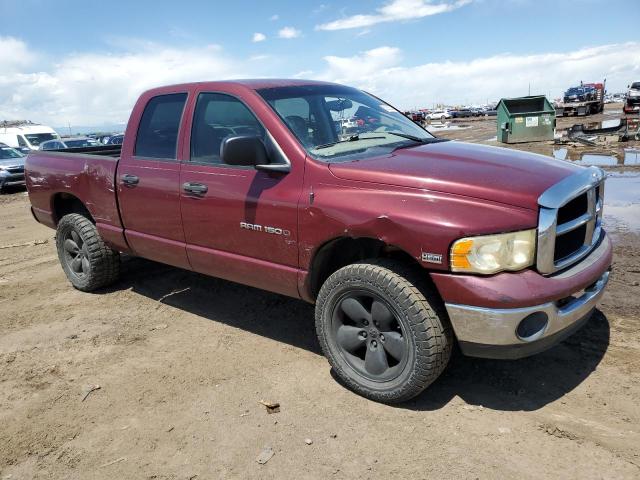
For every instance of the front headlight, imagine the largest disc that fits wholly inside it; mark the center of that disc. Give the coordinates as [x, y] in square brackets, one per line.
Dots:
[494, 253]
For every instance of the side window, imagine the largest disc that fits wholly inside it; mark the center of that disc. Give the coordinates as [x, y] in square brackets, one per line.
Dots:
[218, 116]
[159, 125]
[21, 141]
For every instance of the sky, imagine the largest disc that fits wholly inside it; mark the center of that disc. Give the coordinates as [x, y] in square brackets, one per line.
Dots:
[85, 63]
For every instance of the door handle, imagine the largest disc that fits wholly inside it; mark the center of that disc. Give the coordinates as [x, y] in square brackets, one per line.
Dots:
[195, 188]
[130, 180]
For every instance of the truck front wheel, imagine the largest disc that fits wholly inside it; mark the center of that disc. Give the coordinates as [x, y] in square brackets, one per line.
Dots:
[385, 338]
[86, 260]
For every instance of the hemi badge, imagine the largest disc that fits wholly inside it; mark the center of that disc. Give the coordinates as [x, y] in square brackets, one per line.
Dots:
[431, 257]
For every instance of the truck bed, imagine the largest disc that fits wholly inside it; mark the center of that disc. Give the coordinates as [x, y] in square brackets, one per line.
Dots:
[102, 150]
[55, 179]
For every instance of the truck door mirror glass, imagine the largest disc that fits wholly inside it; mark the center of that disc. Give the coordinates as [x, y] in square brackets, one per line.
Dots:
[243, 151]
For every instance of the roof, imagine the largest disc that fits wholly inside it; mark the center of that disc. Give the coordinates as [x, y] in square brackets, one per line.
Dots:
[252, 84]
[30, 128]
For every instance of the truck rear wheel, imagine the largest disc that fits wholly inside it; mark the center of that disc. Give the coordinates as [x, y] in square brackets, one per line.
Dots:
[385, 338]
[86, 260]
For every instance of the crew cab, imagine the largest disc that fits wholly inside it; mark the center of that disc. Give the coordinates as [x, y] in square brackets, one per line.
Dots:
[405, 243]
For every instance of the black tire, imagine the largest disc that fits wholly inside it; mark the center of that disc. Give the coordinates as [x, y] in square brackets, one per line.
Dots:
[417, 346]
[86, 260]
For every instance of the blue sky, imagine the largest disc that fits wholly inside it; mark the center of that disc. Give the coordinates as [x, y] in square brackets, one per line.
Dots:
[413, 52]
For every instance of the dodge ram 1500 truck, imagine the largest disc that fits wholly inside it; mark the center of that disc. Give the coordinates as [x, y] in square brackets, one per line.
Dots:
[406, 243]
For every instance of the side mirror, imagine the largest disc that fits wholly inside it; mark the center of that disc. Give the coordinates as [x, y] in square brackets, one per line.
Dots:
[249, 151]
[245, 150]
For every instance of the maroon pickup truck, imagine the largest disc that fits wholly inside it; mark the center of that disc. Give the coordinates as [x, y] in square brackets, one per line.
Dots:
[406, 243]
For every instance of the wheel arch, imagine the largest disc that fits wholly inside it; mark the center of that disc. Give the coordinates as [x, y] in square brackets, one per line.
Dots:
[64, 203]
[342, 251]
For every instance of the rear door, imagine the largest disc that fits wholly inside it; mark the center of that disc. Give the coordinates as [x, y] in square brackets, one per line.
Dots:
[240, 223]
[148, 182]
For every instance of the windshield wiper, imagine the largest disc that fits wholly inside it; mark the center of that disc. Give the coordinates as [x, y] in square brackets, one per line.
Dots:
[410, 137]
[424, 141]
[352, 138]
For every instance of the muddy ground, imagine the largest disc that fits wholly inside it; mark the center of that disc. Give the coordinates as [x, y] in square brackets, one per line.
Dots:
[182, 362]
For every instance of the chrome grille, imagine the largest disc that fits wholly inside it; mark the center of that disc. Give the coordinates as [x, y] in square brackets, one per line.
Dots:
[570, 220]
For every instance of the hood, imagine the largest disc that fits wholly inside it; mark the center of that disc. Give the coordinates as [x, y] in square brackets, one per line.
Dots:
[12, 162]
[490, 173]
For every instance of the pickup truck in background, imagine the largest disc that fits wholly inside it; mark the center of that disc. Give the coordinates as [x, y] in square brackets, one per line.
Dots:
[585, 99]
[632, 99]
[406, 243]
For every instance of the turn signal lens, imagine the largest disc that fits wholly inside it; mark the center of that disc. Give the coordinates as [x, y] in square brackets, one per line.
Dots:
[494, 253]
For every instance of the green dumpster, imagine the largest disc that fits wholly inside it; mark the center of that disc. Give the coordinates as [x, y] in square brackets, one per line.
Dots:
[525, 119]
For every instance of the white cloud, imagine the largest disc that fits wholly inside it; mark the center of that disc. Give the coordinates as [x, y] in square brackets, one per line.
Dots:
[393, 11]
[303, 74]
[14, 55]
[93, 89]
[380, 71]
[259, 58]
[289, 32]
[259, 37]
[275, 17]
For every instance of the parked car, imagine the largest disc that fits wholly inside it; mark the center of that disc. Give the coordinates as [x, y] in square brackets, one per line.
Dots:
[438, 115]
[11, 167]
[406, 243]
[490, 112]
[583, 93]
[26, 135]
[462, 113]
[115, 140]
[76, 142]
[416, 116]
[633, 93]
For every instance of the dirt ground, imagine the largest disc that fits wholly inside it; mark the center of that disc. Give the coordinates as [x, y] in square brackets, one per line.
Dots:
[182, 362]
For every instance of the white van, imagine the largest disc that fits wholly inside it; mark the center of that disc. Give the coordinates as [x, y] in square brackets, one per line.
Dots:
[26, 135]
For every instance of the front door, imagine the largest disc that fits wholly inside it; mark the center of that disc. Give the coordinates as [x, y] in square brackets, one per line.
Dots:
[239, 223]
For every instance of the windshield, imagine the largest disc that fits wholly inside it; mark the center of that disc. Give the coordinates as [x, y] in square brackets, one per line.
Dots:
[8, 152]
[635, 85]
[336, 123]
[36, 139]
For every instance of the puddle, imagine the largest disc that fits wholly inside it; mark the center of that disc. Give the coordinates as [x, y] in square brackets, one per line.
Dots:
[630, 156]
[440, 127]
[622, 202]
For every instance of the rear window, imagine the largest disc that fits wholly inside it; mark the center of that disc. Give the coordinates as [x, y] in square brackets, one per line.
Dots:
[159, 125]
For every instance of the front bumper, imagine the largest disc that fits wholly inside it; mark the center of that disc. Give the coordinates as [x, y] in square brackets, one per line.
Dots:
[488, 313]
[498, 333]
[9, 179]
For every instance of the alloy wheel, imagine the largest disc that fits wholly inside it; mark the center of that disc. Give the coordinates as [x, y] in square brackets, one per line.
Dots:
[369, 336]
